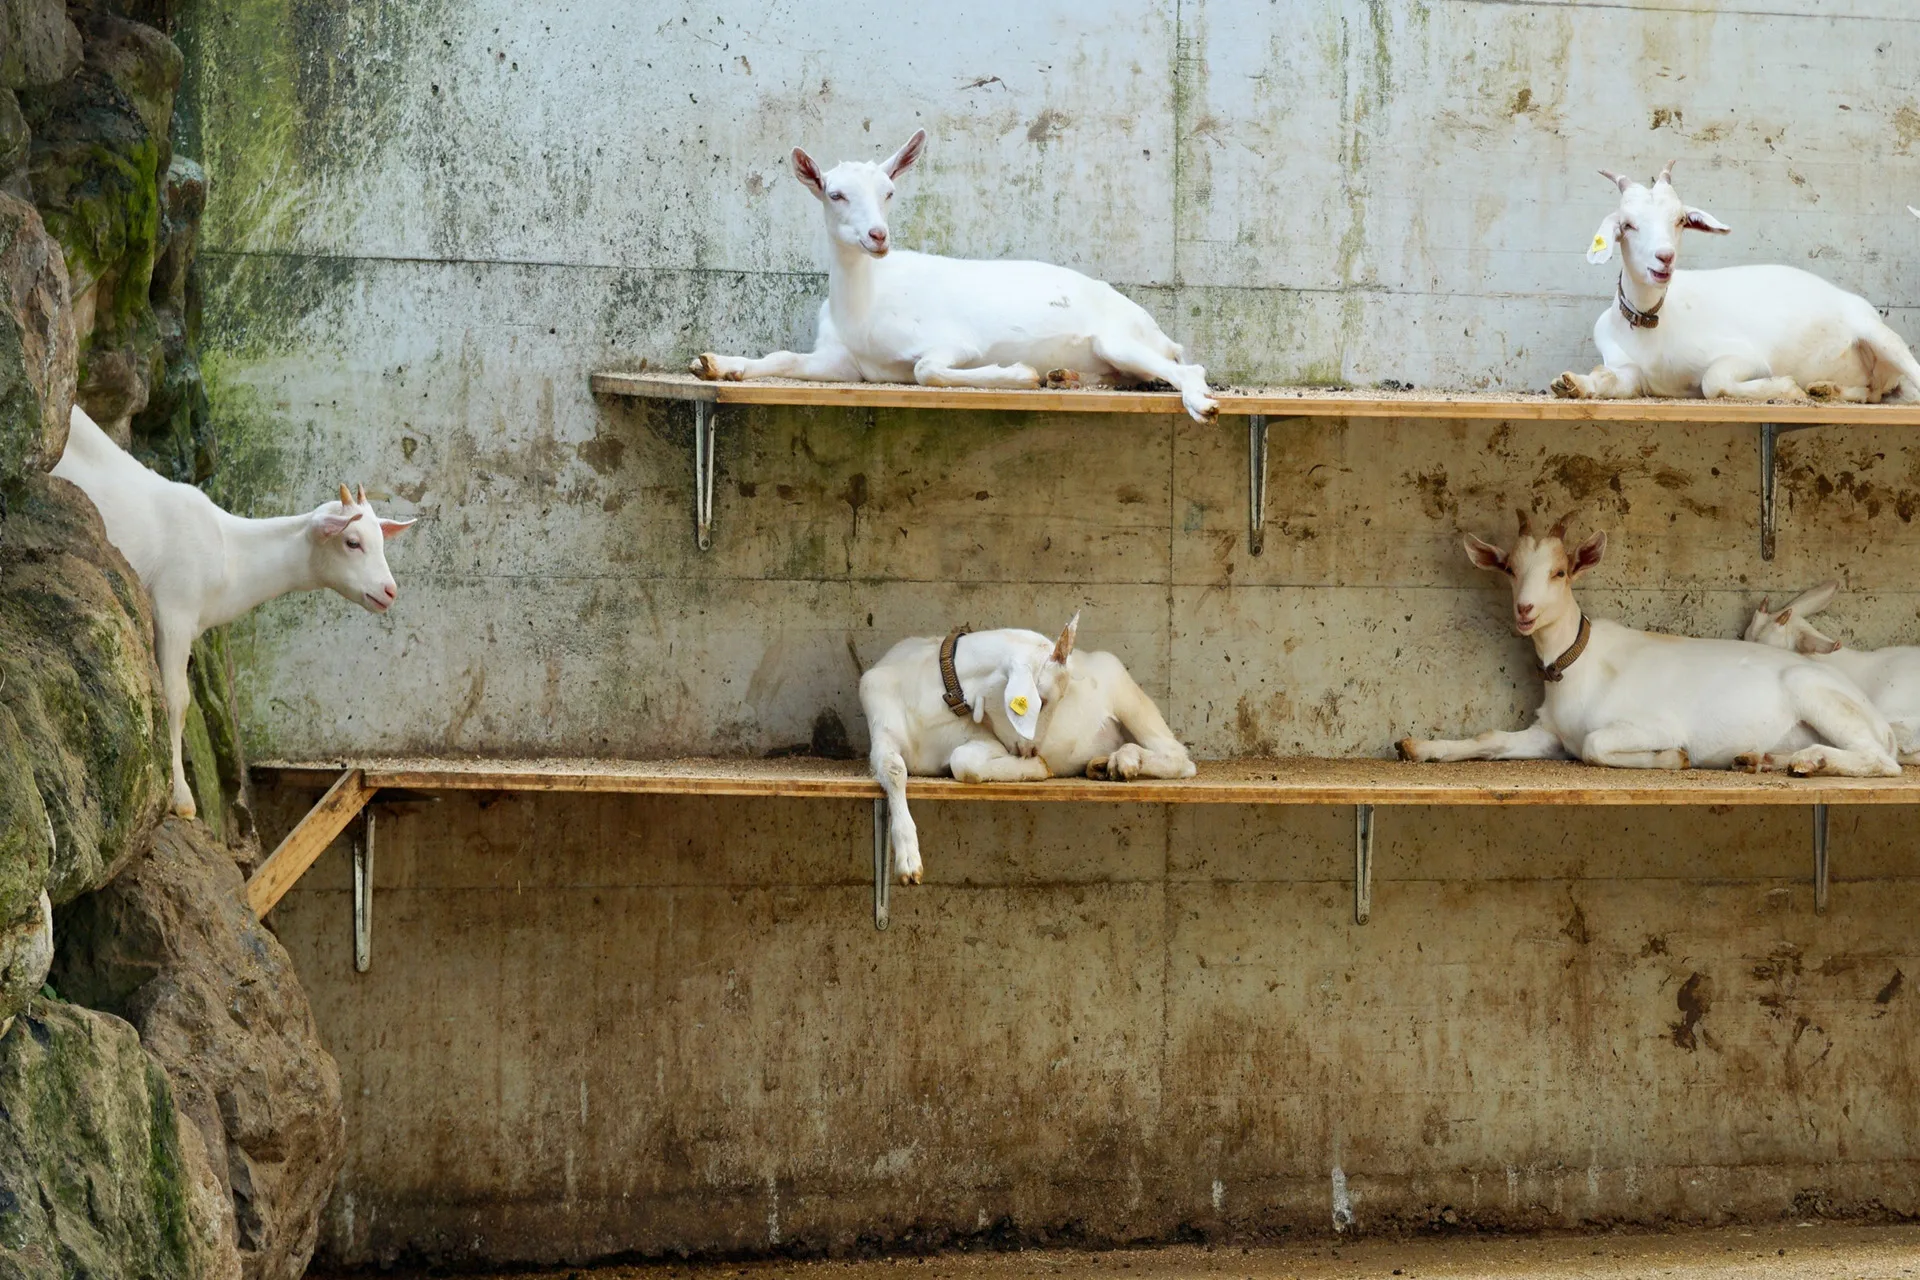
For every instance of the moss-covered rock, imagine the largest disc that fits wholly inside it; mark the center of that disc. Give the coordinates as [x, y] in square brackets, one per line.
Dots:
[78, 678]
[14, 146]
[171, 946]
[37, 366]
[100, 154]
[99, 1175]
[38, 45]
[174, 433]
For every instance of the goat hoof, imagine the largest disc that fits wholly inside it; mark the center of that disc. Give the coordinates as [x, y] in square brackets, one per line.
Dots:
[1097, 769]
[1068, 379]
[1824, 391]
[910, 877]
[1405, 748]
[1686, 761]
[189, 811]
[706, 368]
[1566, 388]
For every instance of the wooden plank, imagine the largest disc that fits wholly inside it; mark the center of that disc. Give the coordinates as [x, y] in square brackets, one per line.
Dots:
[309, 838]
[1242, 781]
[1295, 402]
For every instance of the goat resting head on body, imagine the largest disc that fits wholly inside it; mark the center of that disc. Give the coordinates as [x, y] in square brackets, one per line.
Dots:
[349, 550]
[1647, 227]
[1542, 570]
[855, 194]
[1788, 628]
[1034, 678]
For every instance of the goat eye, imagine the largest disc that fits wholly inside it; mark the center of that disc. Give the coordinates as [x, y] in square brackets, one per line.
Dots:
[353, 544]
[835, 195]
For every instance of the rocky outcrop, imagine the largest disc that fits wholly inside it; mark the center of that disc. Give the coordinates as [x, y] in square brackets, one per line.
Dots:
[37, 349]
[171, 946]
[99, 1174]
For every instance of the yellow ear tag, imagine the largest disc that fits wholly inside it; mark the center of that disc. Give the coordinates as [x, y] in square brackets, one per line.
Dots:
[1599, 243]
[1018, 704]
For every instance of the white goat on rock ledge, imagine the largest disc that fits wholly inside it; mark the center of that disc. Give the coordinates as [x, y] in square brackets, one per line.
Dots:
[892, 315]
[1029, 708]
[1640, 700]
[1746, 333]
[204, 567]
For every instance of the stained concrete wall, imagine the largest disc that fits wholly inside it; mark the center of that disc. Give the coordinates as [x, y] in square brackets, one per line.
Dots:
[598, 1025]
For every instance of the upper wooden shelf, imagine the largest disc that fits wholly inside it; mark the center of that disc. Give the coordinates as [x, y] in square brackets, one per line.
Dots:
[1289, 402]
[1297, 781]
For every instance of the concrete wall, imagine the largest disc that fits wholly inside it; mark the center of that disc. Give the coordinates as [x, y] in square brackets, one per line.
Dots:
[598, 1025]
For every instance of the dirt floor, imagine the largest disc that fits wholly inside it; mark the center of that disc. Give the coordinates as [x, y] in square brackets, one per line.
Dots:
[1797, 1252]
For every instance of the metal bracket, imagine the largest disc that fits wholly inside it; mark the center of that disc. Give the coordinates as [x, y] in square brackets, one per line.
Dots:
[1256, 483]
[704, 414]
[363, 893]
[1769, 511]
[882, 865]
[1362, 863]
[1820, 859]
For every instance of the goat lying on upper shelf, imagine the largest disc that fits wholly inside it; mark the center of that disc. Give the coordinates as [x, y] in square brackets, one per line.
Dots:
[1746, 333]
[1006, 706]
[203, 566]
[892, 315]
[1641, 700]
[1889, 677]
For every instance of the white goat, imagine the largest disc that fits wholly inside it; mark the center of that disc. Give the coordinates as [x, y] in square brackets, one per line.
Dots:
[204, 567]
[1026, 708]
[892, 315]
[1747, 333]
[1889, 677]
[1640, 700]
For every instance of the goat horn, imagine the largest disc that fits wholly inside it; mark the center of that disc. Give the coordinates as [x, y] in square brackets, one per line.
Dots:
[346, 499]
[1765, 601]
[1526, 522]
[1666, 174]
[1560, 529]
[360, 494]
[1619, 180]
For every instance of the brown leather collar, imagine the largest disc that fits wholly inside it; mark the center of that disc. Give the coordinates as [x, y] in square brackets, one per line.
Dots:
[1638, 319]
[1552, 672]
[956, 699]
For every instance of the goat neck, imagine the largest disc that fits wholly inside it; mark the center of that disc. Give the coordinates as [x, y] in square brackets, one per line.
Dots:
[1551, 639]
[1644, 298]
[262, 559]
[850, 286]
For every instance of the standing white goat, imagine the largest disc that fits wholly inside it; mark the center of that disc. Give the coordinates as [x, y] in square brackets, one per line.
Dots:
[1747, 333]
[892, 315]
[1889, 677]
[1019, 708]
[203, 566]
[1641, 700]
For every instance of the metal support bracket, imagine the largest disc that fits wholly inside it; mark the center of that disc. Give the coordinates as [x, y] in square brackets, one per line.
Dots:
[1820, 859]
[882, 865]
[1362, 863]
[363, 892]
[1256, 483]
[704, 414]
[1769, 510]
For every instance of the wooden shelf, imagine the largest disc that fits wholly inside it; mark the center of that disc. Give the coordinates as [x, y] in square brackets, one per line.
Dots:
[1284, 402]
[1300, 781]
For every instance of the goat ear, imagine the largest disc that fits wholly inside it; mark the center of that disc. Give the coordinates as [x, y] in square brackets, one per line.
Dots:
[1588, 554]
[902, 160]
[1701, 220]
[808, 172]
[1814, 599]
[1022, 700]
[1602, 247]
[1485, 555]
[1068, 634]
[1811, 641]
[328, 525]
[394, 528]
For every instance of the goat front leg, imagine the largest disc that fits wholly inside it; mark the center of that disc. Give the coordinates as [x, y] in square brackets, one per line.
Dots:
[1629, 746]
[172, 646]
[939, 369]
[1535, 742]
[1608, 382]
[827, 364]
[890, 771]
[988, 761]
[1744, 378]
[1137, 357]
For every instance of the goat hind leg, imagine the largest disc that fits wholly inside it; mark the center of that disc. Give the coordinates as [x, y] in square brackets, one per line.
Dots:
[1137, 357]
[172, 647]
[941, 369]
[826, 364]
[983, 761]
[1535, 742]
[1741, 378]
[1631, 746]
[1855, 741]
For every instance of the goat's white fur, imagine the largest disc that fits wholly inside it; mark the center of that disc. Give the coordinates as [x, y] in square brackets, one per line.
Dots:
[892, 315]
[203, 566]
[1746, 333]
[1642, 700]
[1039, 710]
[1889, 677]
